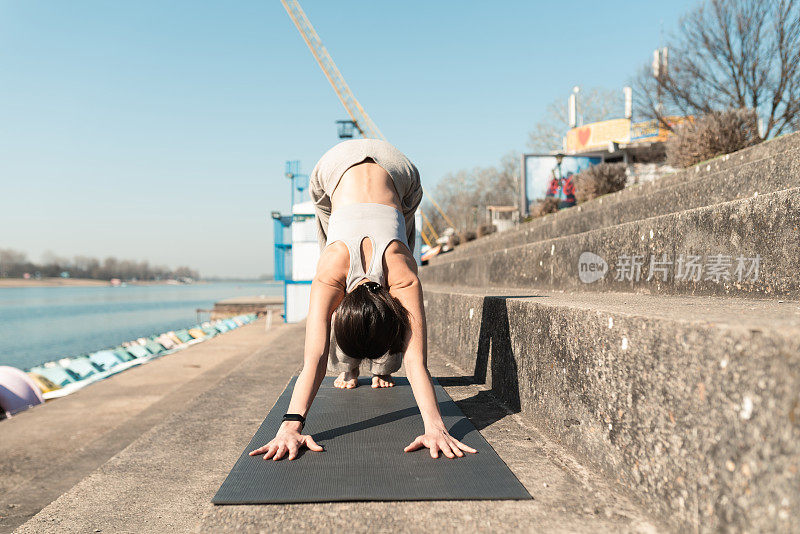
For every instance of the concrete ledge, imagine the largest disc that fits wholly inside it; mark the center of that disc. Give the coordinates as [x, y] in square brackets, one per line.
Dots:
[761, 176]
[260, 305]
[690, 402]
[766, 227]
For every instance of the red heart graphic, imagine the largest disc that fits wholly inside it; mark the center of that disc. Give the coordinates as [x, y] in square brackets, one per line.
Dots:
[583, 135]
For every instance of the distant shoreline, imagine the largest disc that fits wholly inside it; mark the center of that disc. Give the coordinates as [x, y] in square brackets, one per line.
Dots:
[88, 282]
[68, 282]
[50, 282]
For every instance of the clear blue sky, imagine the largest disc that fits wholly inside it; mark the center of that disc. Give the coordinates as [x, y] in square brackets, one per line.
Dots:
[159, 130]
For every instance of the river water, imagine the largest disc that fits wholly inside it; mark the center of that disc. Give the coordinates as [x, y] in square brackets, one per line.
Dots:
[41, 324]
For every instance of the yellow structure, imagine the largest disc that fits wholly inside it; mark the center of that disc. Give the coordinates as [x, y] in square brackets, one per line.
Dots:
[599, 135]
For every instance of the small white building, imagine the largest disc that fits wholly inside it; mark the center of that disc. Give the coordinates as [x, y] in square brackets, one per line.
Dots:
[503, 217]
[305, 255]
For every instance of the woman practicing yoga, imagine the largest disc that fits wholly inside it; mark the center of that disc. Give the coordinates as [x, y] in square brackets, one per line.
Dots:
[366, 193]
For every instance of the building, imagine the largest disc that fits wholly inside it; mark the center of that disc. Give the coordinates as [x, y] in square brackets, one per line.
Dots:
[640, 146]
[296, 257]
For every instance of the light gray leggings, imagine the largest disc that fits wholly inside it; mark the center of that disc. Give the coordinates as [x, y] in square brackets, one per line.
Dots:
[339, 362]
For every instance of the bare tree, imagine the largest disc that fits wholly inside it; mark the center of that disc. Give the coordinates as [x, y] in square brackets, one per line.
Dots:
[594, 104]
[87, 267]
[14, 264]
[730, 54]
[463, 195]
[186, 272]
[455, 195]
[499, 184]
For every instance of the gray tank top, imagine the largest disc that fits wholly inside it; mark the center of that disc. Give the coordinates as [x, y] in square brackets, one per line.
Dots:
[382, 224]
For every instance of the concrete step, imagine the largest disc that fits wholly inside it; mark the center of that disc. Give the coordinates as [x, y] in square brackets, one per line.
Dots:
[746, 247]
[763, 150]
[754, 177]
[164, 481]
[691, 402]
[48, 449]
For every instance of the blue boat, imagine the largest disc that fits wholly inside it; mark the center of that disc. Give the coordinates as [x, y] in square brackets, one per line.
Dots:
[81, 367]
[183, 335]
[105, 359]
[138, 351]
[71, 374]
[154, 347]
[210, 331]
[221, 327]
[55, 374]
[123, 354]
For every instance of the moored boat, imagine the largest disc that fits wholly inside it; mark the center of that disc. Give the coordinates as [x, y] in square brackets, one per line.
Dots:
[63, 376]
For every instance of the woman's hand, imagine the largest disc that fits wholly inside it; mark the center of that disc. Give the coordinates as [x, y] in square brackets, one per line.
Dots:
[288, 439]
[437, 441]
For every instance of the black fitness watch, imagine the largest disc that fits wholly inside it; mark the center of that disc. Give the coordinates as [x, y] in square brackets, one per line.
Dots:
[295, 417]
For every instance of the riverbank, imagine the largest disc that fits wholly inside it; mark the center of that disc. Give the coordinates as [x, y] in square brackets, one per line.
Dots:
[50, 282]
[80, 282]
[75, 435]
[89, 282]
[42, 324]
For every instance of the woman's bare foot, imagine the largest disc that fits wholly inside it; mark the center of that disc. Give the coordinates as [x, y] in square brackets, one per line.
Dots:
[382, 381]
[347, 380]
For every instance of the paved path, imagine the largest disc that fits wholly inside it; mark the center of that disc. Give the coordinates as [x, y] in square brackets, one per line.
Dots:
[164, 480]
[48, 449]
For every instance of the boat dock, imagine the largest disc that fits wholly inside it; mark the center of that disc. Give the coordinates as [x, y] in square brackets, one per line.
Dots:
[260, 305]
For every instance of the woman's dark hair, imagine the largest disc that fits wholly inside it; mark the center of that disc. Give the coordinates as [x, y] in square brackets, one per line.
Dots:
[370, 322]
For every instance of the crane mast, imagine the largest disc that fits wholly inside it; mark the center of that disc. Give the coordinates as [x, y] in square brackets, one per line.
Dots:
[362, 122]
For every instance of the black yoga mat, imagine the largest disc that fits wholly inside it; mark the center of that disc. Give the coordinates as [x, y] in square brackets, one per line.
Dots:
[364, 431]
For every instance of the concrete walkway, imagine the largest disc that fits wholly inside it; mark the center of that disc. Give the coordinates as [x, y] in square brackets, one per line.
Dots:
[163, 480]
[48, 449]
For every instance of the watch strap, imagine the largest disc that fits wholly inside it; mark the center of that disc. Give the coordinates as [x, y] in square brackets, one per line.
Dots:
[295, 417]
